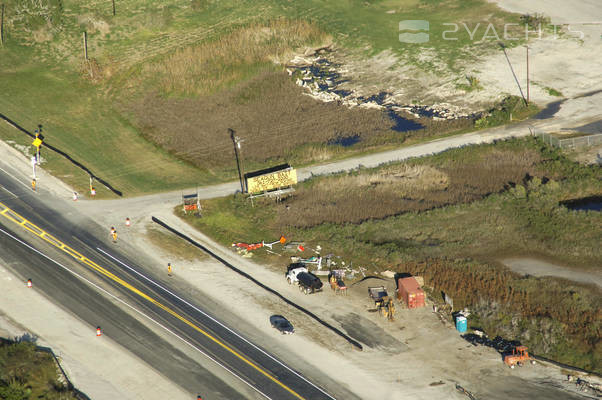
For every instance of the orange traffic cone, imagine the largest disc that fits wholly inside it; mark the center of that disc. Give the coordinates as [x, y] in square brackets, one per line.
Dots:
[98, 332]
[300, 248]
[128, 222]
[29, 283]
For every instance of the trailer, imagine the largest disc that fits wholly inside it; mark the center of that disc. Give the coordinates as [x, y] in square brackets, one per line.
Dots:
[308, 282]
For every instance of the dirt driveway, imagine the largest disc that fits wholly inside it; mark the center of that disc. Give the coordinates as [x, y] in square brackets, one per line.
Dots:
[535, 267]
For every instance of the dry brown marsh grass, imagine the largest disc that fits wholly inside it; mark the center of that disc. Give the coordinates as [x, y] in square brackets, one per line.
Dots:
[206, 68]
[270, 113]
[406, 187]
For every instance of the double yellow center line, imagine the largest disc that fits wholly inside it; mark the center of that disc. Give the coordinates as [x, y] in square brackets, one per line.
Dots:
[31, 227]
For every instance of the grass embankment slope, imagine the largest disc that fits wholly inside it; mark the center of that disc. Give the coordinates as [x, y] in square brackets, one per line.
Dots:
[26, 373]
[449, 217]
[150, 110]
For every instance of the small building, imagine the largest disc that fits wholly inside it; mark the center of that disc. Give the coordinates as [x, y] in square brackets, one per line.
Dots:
[410, 292]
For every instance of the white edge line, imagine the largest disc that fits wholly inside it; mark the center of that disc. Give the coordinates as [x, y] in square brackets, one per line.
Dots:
[16, 179]
[14, 195]
[136, 310]
[217, 322]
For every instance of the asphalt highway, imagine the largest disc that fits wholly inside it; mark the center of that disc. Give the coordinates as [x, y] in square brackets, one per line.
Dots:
[88, 276]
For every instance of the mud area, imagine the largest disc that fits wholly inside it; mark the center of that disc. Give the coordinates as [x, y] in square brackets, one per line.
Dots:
[370, 334]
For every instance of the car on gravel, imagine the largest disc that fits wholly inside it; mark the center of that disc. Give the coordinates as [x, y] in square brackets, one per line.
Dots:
[282, 324]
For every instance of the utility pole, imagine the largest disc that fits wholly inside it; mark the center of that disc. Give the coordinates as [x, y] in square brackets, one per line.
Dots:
[2, 26]
[236, 140]
[513, 74]
[85, 46]
[527, 74]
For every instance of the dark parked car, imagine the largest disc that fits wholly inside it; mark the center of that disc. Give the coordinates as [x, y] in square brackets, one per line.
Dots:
[282, 324]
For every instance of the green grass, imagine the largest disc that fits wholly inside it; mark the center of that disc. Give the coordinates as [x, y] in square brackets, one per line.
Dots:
[511, 108]
[472, 84]
[171, 244]
[26, 373]
[233, 219]
[44, 80]
[553, 92]
[524, 219]
[455, 247]
[76, 119]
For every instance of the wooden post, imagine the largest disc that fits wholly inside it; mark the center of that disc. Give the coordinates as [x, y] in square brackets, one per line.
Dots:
[527, 74]
[113, 7]
[85, 46]
[236, 142]
[2, 27]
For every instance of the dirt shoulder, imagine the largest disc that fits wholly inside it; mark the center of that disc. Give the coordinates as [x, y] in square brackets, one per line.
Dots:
[418, 354]
[536, 267]
[563, 56]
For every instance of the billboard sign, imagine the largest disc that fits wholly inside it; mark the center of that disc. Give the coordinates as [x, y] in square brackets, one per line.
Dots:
[266, 180]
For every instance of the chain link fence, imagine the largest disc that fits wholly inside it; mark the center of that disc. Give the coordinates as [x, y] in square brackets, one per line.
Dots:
[568, 143]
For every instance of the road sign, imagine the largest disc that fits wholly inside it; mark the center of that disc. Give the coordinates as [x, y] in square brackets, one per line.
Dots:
[37, 142]
[270, 179]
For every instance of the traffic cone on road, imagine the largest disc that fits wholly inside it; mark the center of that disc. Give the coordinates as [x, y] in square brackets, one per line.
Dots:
[74, 196]
[128, 222]
[29, 283]
[98, 332]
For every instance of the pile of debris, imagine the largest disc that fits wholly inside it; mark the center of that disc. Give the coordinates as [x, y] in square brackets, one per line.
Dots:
[325, 81]
[498, 343]
[585, 386]
[465, 392]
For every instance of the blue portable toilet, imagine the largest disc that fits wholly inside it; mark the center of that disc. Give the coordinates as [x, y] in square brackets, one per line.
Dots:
[461, 324]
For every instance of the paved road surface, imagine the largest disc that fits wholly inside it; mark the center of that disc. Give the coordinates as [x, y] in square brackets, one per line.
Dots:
[268, 377]
[142, 340]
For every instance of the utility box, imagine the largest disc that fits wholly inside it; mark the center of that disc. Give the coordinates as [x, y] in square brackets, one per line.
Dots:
[461, 323]
[410, 292]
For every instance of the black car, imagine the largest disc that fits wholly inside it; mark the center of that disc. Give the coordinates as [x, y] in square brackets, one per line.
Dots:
[282, 324]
